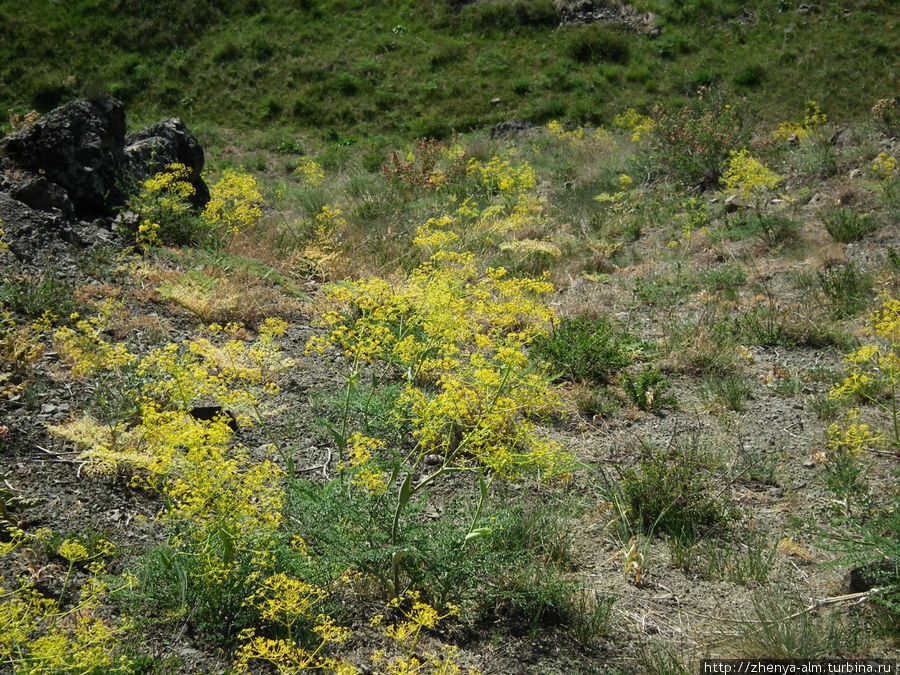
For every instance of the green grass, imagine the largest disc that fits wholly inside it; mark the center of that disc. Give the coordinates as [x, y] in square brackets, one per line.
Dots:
[588, 349]
[427, 68]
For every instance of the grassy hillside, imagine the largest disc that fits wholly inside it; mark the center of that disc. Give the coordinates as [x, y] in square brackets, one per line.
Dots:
[608, 398]
[429, 67]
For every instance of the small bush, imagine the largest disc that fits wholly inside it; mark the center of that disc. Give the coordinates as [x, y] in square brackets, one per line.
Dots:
[695, 139]
[670, 493]
[742, 559]
[647, 388]
[586, 349]
[728, 391]
[508, 15]
[782, 629]
[773, 229]
[770, 325]
[164, 212]
[847, 288]
[34, 298]
[750, 76]
[664, 291]
[596, 44]
[846, 225]
[348, 84]
[725, 280]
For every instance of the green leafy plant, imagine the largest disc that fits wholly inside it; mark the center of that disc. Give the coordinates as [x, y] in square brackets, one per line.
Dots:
[774, 229]
[845, 224]
[847, 288]
[34, 298]
[743, 559]
[587, 349]
[729, 391]
[694, 140]
[647, 388]
[165, 215]
[670, 492]
[784, 629]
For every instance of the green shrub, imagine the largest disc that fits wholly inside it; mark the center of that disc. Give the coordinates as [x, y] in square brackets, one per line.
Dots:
[743, 557]
[729, 391]
[647, 388]
[724, 279]
[663, 291]
[695, 139]
[588, 349]
[513, 572]
[671, 493]
[595, 43]
[773, 229]
[347, 84]
[847, 288]
[506, 15]
[749, 76]
[846, 225]
[32, 298]
[771, 325]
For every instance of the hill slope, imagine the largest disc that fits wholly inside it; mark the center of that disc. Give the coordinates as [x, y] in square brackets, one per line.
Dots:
[425, 68]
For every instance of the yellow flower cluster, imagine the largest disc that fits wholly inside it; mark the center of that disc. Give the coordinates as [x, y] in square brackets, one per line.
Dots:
[532, 248]
[632, 120]
[173, 181]
[207, 485]
[311, 172]
[38, 635]
[360, 451]
[85, 346]
[458, 333]
[234, 203]
[406, 633]
[148, 235]
[575, 137]
[500, 175]
[285, 602]
[747, 176]
[874, 369]
[813, 119]
[884, 166]
[4, 247]
[851, 437]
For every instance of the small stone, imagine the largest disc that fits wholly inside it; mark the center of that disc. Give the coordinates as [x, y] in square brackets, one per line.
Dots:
[432, 460]
[48, 408]
[733, 203]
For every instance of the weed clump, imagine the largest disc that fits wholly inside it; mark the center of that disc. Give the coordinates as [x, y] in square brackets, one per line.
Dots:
[587, 349]
[694, 140]
[846, 225]
[670, 493]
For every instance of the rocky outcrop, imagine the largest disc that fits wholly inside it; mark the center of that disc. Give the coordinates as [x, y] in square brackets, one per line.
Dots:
[612, 11]
[76, 161]
[511, 128]
[167, 142]
[79, 148]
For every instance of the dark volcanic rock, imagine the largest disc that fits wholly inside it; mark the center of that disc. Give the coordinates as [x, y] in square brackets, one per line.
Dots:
[511, 128]
[32, 234]
[78, 147]
[167, 142]
[37, 192]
